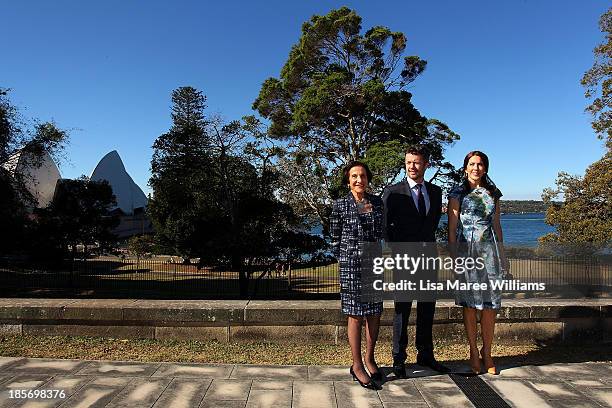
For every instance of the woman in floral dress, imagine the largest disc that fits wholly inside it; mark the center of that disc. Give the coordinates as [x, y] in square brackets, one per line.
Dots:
[474, 227]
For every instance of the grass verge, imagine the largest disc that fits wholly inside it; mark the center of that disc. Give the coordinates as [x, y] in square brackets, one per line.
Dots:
[95, 348]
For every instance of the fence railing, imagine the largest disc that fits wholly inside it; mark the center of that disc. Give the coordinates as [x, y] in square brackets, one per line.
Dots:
[156, 277]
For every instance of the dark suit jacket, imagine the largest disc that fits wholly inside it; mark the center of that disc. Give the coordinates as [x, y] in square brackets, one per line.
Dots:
[402, 221]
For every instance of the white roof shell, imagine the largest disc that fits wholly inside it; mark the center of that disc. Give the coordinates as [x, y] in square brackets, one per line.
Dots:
[39, 175]
[129, 196]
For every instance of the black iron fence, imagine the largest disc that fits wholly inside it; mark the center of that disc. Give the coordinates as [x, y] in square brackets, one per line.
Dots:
[162, 278]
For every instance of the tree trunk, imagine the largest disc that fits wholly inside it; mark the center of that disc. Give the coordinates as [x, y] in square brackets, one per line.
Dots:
[243, 276]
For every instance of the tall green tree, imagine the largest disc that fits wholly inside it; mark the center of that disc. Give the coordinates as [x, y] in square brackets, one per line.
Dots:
[140, 245]
[78, 215]
[598, 83]
[585, 214]
[179, 176]
[213, 194]
[341, 96]
[18, 134]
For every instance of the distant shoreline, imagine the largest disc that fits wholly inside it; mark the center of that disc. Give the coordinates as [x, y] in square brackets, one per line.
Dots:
[522, 212]
[523, 206]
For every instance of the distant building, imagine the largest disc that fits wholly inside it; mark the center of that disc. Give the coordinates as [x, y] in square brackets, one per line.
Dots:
[131, 200]
[129, 196]
[40, 174]
[41, 177]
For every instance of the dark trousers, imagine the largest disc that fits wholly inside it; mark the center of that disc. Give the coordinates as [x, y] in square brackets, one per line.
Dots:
[424, 324]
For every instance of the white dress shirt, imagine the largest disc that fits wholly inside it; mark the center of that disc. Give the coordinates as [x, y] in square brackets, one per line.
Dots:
[415, 190]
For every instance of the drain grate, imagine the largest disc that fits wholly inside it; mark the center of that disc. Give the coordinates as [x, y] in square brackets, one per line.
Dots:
[478, 392]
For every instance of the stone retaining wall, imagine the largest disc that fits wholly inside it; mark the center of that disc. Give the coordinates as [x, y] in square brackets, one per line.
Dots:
[316, 321]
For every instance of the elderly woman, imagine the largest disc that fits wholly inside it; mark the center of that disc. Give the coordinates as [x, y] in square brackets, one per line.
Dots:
[356, 218]
[474, 225]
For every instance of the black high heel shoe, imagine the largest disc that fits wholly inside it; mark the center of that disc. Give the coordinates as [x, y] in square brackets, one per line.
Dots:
[377, 375]
[370, 385]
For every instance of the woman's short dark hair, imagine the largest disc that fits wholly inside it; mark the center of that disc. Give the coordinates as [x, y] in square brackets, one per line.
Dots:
[419, 151]
[348, 167]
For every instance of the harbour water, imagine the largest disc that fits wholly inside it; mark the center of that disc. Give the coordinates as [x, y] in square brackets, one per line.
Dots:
[518, 229]
[522, 229]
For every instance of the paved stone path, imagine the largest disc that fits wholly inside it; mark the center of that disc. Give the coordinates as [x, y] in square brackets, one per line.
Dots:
[133, 384]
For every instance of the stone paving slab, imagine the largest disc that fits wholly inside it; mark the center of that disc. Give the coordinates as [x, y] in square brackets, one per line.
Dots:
[175, 385]
[5, 362]
[194, 370]
[183, 393]
[351, 394]
[69, 385]
[573, 404]
[141, 392]
[222, 404]
[328, 373]
[226, 390]
[400, 391]
[572, 370]
[20, 382]
[555, 389]
[602, 395]
[519, 372]
[314, 394]
[273, 372]
[98, 393]
[269, 399]
[45, 366]
[271, 385]
[518, 393]
[417, 371]
[118, 368]
[581, 383]
[441, 391]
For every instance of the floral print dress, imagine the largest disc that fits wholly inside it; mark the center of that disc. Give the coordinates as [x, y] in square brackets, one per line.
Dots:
[476, 238]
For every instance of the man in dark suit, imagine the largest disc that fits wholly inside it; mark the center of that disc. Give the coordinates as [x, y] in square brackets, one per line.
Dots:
[413, 209]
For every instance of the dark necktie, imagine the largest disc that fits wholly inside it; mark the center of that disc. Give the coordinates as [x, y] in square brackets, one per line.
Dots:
[421, 201]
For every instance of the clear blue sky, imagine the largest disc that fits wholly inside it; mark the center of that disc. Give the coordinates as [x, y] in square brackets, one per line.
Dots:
[505, 75]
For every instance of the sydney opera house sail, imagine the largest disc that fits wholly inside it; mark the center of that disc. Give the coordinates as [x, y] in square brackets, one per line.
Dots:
[40, 174]
[129, 196]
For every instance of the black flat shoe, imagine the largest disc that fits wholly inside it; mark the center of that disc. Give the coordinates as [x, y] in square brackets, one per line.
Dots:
[399, 370]
[370, 385]
[433, 364]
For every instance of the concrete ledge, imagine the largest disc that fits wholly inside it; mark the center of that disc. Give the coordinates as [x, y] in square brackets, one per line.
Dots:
[316, 321]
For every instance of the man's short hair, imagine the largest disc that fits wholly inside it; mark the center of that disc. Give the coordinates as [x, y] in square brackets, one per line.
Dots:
[419, 151]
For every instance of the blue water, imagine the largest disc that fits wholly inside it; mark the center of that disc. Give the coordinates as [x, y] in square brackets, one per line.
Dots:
[518, 229]
[522, 229]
